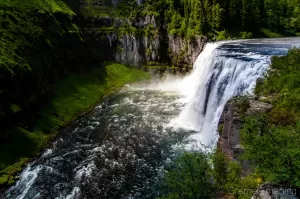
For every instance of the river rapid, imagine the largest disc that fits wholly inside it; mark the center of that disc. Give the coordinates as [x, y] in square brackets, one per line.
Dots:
[119, 150]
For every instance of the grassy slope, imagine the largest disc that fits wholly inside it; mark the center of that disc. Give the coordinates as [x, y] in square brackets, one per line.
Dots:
[74, 95]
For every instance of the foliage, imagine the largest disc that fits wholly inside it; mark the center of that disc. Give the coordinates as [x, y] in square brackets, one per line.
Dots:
[151, 32]
[222, 35]
[241, 18]
[246, 35]
[271, 140]
[219, 19]
[228, 178]
[189, 177]
[242, 103]
[270, 34]
[26, 47]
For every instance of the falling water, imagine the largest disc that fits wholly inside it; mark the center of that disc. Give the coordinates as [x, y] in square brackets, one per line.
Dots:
[118, 150]
[224, 70]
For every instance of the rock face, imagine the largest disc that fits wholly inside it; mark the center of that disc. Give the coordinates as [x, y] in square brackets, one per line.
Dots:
[141, 49]
[136, 41]
[231, 123]
[138, 51]
[192, 50]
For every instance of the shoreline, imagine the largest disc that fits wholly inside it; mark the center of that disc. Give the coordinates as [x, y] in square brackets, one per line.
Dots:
[11, 172]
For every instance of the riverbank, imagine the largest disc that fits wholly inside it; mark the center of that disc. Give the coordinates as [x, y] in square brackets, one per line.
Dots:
[74, 95]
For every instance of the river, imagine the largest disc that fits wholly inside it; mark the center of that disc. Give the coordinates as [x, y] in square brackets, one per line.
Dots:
[119, 150]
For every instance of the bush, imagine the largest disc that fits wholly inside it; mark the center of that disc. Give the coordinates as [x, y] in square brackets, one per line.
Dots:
[189, 177]
[273, 149]
[242, 103]
[201, 175]
[246, 35]
[222, 35]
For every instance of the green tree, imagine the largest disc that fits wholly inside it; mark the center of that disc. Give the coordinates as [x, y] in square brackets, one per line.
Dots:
[189, 178]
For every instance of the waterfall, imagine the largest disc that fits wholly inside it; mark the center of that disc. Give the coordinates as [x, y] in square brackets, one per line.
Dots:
[221, 71]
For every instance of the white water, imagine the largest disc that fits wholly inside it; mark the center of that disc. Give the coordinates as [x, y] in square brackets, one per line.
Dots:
[214, 81]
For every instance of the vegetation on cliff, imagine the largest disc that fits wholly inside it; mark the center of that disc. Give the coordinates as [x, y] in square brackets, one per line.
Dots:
[34, 43]
[271, 140]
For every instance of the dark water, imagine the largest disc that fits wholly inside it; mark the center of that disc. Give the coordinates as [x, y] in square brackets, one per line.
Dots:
[119, 150]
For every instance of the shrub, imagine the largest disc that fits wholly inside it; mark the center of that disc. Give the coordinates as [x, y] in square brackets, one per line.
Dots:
[189, 177]
[246, 35]
[222, 35]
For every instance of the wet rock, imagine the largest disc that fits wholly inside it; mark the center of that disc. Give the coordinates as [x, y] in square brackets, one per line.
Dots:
[230, 124]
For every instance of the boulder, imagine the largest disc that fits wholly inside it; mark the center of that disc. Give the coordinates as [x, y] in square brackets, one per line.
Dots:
[257, 107]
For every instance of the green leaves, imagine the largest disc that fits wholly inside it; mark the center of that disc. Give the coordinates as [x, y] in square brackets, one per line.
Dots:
[199, 175]
[272, 140]
[189, 177]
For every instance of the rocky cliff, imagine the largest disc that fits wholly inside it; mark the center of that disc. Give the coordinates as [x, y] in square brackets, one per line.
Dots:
[142, 48]
[231, 123]
[139, 51]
